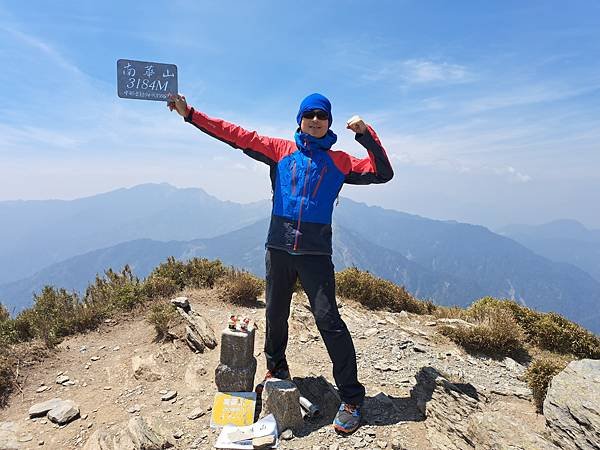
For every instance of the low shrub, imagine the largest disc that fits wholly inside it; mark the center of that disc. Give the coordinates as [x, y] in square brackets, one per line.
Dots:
[539, 374]
[555, 333]
[240, 288]
[377, 293]
[7, 377]
[157, 286]
[195, 273]
[4, 314]
[53, 315]
[203, 273]
[548, 331]
[116, 291]
[449, 312]
[497, 335]
[163, 316]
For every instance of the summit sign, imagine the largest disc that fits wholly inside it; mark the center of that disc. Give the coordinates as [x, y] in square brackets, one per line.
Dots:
[146, 80]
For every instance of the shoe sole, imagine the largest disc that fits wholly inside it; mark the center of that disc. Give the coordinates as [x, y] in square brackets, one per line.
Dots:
[345, 431]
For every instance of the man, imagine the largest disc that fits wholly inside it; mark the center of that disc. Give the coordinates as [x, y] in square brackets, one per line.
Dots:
[306, 177]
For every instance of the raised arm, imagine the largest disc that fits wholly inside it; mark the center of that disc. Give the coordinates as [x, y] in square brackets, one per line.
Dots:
[262, 148]
[376, 168]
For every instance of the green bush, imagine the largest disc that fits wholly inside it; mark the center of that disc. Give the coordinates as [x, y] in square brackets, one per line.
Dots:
[7, 377]
[195, 273]
[496, 335]
[163, 316]
[240, 288]
[4, 314]
[548, 331]
[116, 291]
[539, 374]
[376, 293]
[157, 287]
[53, 315]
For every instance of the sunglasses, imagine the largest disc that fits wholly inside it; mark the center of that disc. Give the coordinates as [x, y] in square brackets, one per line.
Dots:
[321, 115]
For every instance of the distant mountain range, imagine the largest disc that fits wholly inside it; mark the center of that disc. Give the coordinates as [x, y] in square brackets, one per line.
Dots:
[561, 240]
[446, 261]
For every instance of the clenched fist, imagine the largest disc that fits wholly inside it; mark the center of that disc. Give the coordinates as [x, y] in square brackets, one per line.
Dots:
[356, 124]
[177, 102]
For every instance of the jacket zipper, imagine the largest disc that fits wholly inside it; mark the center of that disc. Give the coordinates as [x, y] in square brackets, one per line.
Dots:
[323, 171]
[294, 178]
[306, 177]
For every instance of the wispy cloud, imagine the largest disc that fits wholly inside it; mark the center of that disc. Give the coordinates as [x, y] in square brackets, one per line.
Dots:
[512, 174]
[418, 71]
[46, 49]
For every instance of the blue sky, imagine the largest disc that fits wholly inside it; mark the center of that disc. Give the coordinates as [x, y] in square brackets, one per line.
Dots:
[490, 111]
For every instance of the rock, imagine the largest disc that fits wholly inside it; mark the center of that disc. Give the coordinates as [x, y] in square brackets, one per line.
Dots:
[42, 389]
[61, 379]
[145, 368]
[282, 399]
[64, 412]
[446, 409]
[178, 434]
[181, 302]
[200, 327]
[8, 436]
[195, 413]
[40, 409]
[504, 428]
[287, 435]
[169, 395]
[572, 406]
[193, 340]
[144, 437]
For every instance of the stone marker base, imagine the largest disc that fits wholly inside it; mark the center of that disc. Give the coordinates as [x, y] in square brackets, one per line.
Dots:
[232, 379]
[282, 399]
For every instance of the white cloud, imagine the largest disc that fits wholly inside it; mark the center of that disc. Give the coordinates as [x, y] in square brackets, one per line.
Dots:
[418, 71]
[512, 174]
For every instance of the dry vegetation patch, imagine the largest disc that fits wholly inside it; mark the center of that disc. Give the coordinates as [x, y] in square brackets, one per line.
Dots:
[377, 293]
[539, 374]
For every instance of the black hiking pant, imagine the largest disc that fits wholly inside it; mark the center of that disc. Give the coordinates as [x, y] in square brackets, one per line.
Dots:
[318, 280]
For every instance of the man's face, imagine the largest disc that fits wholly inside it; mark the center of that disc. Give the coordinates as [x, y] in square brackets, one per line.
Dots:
[315, 123]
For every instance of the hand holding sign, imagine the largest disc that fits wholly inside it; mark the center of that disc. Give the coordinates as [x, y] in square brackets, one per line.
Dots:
[178, 103]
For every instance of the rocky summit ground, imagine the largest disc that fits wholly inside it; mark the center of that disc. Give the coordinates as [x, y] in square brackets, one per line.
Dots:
[422, 390]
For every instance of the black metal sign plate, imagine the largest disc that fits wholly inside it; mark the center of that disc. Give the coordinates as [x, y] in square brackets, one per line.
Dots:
[146, 80]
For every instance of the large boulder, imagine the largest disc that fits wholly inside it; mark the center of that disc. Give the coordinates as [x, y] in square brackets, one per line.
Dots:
[572, 406]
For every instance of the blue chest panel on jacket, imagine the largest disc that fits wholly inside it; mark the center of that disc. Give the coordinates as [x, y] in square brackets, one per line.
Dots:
[306, 186]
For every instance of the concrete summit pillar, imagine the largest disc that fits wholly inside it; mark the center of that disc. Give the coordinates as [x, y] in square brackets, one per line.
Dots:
[237, 367]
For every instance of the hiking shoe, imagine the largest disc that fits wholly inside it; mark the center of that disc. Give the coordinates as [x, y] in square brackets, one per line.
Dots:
[282, 374]
[347, 419]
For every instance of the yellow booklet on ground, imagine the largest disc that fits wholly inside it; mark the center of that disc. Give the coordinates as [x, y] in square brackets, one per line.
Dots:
[233, 408]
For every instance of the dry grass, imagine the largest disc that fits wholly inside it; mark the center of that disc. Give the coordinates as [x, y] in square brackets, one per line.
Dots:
[164, 317]
[539, 374]
[497, 334]
[377, 293]
[240, 288]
